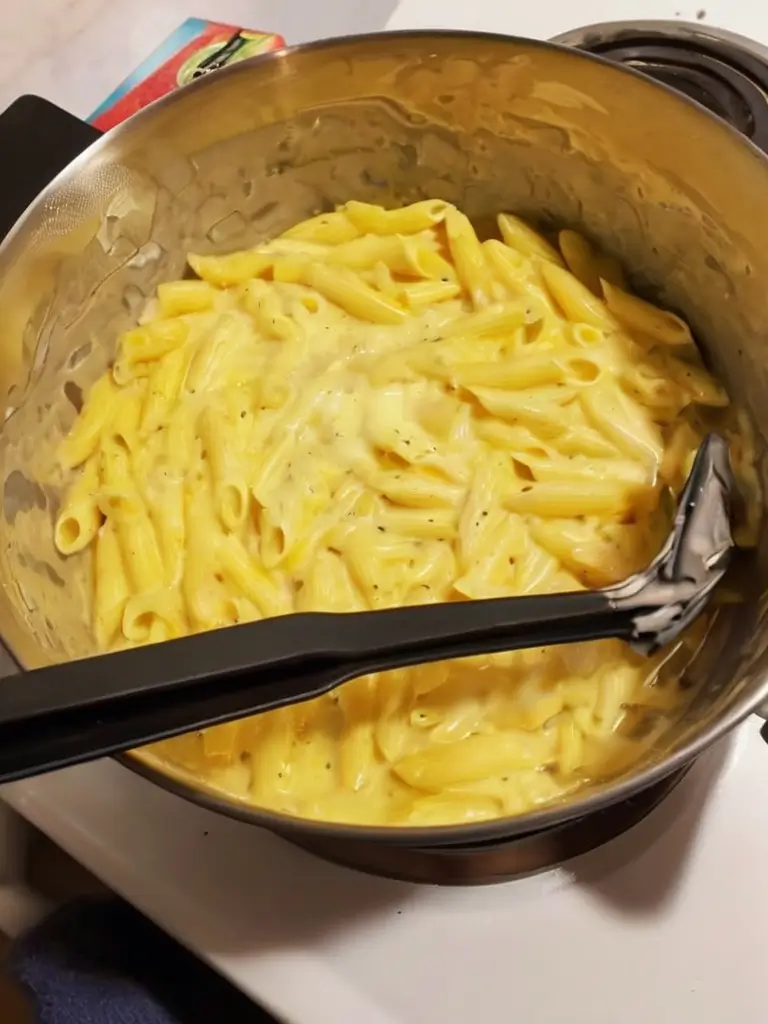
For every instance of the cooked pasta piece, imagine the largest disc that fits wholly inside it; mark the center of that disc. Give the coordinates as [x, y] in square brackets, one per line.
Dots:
[141, 348]
[408, 220]
[523, 239]
[468, 258]
[576, 301]
[80, 517]
[636, 315]
[84, 437]
[354, 296]
[111, 590]
[223, 271]
[224, 446]
[178, 297]
[325, 229]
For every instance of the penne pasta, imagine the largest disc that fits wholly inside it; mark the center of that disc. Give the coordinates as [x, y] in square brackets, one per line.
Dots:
[250, 579]
[142, 347]
[225, 271]
[123, 425]
[80, 517]
[111, 589]
[427, 293]
[324, 229]
[356, 753]
[476, 757]
[265, 304]
[621, 420]
[576, 300]
[203, 597]
[365, 252]
[572, 498]
[519, 236]
[544, 410]
[166, 500]
[377, 410]
[121, 502]
[152, 617]
[179, 297]
[224, 446]
[636, 315]
[271, 774]
[163, 389]
[468, 258]
[409, 220]
[354, 295]
[84, 437]
[580, 258]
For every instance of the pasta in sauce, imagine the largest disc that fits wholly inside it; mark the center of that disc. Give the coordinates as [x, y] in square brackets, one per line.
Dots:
[378, 408]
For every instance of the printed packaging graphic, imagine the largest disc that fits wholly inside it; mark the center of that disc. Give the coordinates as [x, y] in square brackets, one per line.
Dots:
[196, 48]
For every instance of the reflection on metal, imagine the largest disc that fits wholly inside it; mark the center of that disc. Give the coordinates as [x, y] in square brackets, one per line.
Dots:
[722, 71]
[485, 863]
[677, 586]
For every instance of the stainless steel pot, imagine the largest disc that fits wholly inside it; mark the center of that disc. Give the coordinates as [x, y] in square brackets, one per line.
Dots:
[490, 123]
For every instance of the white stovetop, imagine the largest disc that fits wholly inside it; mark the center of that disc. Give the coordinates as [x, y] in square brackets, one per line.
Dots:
[668, 924]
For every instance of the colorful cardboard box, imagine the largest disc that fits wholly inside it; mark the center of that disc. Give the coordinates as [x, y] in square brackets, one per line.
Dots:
[196, 48]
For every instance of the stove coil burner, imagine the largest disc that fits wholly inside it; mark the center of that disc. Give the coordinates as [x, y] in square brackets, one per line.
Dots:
[725, 73]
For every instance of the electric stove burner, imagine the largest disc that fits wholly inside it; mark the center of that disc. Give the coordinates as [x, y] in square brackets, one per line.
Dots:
[725, 73]
[483, 863]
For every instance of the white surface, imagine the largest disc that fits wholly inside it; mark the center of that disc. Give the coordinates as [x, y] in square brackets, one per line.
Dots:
[542, 19]
[668, 924]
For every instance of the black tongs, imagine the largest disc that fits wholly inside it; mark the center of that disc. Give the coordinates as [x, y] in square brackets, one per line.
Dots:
[81, 710]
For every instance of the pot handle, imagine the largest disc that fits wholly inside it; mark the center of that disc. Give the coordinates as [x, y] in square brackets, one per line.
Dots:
[40, 139]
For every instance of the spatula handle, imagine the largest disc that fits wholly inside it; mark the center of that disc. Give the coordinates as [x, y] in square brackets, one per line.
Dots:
[82, 710]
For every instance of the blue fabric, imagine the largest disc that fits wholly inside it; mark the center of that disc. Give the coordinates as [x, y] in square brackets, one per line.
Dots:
[101, 962]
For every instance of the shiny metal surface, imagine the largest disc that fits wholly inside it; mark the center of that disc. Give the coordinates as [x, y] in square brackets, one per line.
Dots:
[724, 72]
[500, 861]
[678, 584]
[486, 122]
